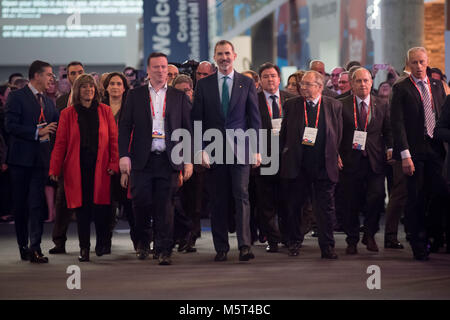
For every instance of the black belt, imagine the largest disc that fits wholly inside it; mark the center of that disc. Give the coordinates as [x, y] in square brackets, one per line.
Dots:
[157, 152]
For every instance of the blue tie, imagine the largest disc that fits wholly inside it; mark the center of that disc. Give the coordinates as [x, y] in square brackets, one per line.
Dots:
[225, 97]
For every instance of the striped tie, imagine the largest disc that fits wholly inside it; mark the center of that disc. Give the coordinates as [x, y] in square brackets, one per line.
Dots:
[430, 120]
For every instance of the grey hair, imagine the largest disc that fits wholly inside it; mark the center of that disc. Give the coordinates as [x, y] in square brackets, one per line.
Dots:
[412, 50]
[319, 79]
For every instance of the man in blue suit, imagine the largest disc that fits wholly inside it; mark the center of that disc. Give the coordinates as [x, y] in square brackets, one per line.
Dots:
[31, 119]
[227, 101]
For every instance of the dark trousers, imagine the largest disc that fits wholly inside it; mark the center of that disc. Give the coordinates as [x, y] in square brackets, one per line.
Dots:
[426, 192]
[397, 201]
[224, 180]
[362, 186]
[182, 223]
[5, 193]
[152, 193]
[321, 190]
[268, 193]
[63, 216]
[191, 198]
[28, 202]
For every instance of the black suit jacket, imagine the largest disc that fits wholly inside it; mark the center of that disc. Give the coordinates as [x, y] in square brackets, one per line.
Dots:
[136, 122]
[61, 102]
[22, 116]
[292, 129]
[407, 115]
[379, 136]
[442, 132]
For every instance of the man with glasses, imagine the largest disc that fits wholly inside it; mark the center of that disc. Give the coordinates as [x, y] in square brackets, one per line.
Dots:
[335, 73]
[172, 74]
[204, 69]
[310, 136]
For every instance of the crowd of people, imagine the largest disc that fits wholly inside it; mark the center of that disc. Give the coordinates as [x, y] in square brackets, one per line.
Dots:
[101, 147]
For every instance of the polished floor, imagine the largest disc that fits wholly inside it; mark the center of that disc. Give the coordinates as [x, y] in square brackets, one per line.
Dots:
[196, 276]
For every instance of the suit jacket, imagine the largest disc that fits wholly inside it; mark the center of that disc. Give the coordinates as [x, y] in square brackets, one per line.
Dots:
[379, 136]
[293, 127]
[66, 155]
[344, 95]
[407, 115]
[22, 116]
[442, 132]
[329, 93]
[243, 110]
[136, 117]
[61, 102]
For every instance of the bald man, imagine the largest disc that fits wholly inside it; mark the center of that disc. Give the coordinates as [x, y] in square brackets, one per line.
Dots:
[204, 69]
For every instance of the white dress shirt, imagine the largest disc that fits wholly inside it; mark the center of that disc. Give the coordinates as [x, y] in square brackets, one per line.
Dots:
[158, 98]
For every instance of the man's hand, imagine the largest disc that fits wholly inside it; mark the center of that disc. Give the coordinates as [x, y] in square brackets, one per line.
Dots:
[124, 180]
[54, 178]
[125, 165]
[408, 166]
[340, 164]
[50, 128]
[257, 160]
[188, 170]
[389, 157]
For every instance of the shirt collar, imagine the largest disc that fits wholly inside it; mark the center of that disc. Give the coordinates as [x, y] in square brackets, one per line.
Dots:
[33, 89]
[315, 101]
[151, 87]
[221, 75]
[267, 94]
[366, 100]
[417, 80]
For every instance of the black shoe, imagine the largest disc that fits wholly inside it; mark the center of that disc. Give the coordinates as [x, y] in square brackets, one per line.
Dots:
[293, 250]
[164, 260]
[364, 238]
[190, 249]
[156, 255]
[84, 255]
[420, 252]
[25, 253]
[57, 250]
[272, 247]
[38, 257]
[329, 253]
[393, 244]
[421, 257]
[314, 234]
[351, 249]
[182, 245]
[99, 250]
[245, 254]
[142, 254]
[220, 256]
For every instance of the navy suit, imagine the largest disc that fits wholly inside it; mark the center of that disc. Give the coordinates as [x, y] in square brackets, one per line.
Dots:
[28, 160]
[227, 179]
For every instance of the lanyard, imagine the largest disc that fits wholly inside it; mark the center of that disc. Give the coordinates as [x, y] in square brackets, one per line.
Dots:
[41, 116]
[420, 92]
[153, 109]
[270, 109]
[318, 112]
[368, 114]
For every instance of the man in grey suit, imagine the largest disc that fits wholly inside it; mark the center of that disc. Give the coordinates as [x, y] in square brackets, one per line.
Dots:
[228, 101]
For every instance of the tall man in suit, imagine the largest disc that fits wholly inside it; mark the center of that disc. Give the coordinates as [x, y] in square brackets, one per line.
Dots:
[30, 119]
[416, 105]
[150, 116]
[63, 215]
[268, 187]
[227, 100]
[363, 172]
[310, 136]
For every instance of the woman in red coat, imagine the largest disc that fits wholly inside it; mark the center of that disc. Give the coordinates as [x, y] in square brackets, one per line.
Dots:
[86, 149]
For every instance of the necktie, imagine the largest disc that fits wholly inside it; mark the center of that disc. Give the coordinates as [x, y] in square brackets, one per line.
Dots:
[362, 116]
[275, 108]
[430, 120]
[225, 96]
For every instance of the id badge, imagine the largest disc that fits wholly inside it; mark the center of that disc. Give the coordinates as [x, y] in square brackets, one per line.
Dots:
[309, 136]
[158, 129]
[359, 140]
[276, 126]
[46, 137]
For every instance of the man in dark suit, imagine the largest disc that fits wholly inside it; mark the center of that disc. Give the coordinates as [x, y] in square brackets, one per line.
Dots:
[310, 136]
[268, 187]
[227, 100]
[363, 172]
[150, 116]
[416, 105]
[30, 119]
[63, 215]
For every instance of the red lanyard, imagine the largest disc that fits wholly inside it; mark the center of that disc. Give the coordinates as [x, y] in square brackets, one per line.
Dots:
[354, 113]
[429, 86]
[318, 112]
[270, 109]
[153, 109]
[41, 116]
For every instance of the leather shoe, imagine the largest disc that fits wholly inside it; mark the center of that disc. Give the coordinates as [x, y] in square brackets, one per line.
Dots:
[190, 249]
[272, 247]
[293, 250]
[142, 254]
[84, 255]
[393, 244]
[351, 249]
[245, 254]
[314, 234]
[364, 239]
[421, 257]
[24, 253]
[164, 260]
[220, 256]
[371, 244]
[329, 253]
[57, 250]
[38, 257]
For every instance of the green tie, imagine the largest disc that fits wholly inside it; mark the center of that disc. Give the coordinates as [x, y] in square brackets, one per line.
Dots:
[225, 96]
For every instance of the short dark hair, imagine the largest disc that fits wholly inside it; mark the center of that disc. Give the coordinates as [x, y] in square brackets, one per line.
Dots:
[351, 64]
[383, 83]
[254, 75]
[108, 80]
[156, 55]
[74, 63]
[269, 65]
[222, 43]
[37, 67]
[17, 74]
